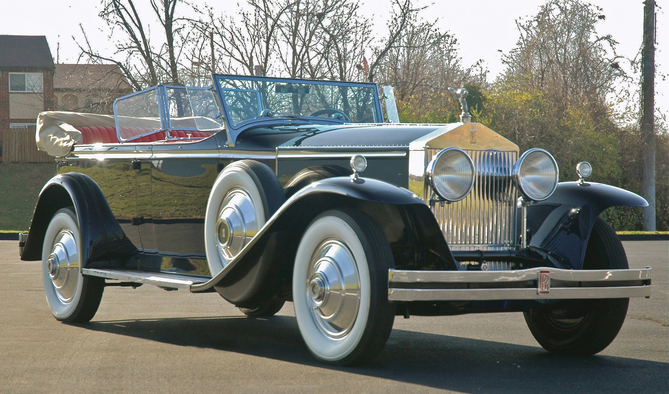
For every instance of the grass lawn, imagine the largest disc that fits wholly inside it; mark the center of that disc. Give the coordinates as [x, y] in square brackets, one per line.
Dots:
[20, 185]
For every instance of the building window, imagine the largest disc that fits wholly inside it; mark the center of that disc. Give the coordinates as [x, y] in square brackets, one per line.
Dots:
[26, 82]
[21, 125]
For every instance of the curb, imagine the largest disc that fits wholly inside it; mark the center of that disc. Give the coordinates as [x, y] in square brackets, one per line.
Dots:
[642, 237]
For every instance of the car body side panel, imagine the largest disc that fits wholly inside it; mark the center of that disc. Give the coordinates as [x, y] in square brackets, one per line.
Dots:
[561, 225]
[388, 169]
[181, 180]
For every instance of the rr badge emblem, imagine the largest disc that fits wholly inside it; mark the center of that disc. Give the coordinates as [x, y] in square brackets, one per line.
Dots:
[544, 282]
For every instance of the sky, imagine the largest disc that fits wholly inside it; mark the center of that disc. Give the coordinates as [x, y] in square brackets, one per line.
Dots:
[482, 27]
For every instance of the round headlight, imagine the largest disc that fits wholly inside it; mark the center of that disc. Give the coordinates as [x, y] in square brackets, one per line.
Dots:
[536, 173]
[451, 174]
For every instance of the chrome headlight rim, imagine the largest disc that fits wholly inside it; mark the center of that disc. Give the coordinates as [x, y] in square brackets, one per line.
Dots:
[432, 177]
[519, 179]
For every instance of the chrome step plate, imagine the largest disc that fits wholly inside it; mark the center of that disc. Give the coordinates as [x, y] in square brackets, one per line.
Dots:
[160, 279]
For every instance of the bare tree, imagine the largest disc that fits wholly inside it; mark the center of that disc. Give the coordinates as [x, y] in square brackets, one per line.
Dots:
[143, 62]
[559, 53]
[242, 43]
[321, 39]
[423, 60]
[340, 39]
[295, 38]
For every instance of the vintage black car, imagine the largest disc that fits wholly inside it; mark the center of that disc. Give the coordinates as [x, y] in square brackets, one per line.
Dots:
[269, 190]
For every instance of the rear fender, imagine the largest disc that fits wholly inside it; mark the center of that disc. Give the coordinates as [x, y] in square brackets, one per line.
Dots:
[562, 224]
[103, 242]
[264, 267]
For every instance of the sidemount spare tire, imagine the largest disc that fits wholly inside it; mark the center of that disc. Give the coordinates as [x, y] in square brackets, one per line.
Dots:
[244, 196]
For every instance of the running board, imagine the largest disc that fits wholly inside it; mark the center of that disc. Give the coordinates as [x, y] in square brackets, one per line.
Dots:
[160, 279]
[529, 284]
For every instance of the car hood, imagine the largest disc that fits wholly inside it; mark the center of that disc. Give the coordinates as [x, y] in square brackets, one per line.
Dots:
[474, 136]
[363, 136]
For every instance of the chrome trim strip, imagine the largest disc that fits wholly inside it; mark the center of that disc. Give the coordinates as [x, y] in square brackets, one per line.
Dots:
[166, 154]
[307, 155]
[101, 156]
[270, 155]
[185, 154]
[172, 281]
[517, 284]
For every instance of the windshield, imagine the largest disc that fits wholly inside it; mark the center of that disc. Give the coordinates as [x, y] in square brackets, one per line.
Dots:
[248, 99]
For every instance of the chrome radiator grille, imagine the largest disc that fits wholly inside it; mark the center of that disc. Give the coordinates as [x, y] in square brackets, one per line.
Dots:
[486, 218]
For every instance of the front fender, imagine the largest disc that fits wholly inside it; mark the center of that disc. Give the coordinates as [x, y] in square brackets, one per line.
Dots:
[102, 239]
[561, 225]
[264, 266]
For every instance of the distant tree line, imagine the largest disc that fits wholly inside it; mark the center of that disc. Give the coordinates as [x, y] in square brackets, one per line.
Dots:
[563, 88]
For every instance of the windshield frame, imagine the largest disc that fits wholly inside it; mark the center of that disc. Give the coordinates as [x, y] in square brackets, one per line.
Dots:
[162, 118]
[280, 119]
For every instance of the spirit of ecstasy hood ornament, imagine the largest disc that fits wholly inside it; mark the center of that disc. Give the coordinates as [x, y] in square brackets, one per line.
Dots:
[461, 94]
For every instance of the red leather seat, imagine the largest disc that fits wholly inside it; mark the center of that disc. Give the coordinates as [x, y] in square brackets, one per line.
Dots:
[107, 134]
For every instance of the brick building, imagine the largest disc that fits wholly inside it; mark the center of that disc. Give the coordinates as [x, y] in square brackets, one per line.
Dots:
[26, 80]
[89, 87]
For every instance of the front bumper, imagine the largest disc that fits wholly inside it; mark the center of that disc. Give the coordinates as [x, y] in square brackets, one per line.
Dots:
[529, 284]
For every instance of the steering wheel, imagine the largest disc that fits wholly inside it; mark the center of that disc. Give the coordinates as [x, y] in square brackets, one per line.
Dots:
[332, 113]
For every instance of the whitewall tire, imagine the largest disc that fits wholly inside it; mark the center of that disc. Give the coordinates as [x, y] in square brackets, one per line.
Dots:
[72, 297]
[340, 287]
[244, 196]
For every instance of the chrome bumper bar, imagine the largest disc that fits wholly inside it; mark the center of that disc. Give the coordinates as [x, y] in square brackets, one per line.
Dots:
[529, 284]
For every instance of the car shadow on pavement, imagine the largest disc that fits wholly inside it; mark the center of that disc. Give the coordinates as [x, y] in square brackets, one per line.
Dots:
[431, 360]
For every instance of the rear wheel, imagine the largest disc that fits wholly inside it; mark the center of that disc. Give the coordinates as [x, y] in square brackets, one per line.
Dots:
[584, 327]
[340, 290]
[72, 297]
[268, 308]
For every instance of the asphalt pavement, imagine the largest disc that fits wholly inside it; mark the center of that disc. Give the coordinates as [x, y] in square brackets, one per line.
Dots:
[153, 341]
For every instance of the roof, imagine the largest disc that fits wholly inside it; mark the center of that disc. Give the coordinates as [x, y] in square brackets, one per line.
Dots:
[90, 77]
[25, 52]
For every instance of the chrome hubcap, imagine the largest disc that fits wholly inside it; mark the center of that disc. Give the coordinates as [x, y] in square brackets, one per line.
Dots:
[63, 265]
[333, 288]
[237, 223]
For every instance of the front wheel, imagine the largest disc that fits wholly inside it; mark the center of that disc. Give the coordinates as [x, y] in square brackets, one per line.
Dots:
[340, 290]
[72, 297]
[584, 327]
